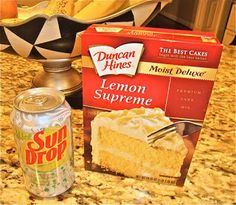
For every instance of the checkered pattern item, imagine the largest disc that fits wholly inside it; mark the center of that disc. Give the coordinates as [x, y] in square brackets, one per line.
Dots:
[49, 38]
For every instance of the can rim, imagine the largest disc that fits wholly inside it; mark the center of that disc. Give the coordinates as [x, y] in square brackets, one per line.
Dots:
[47, 90]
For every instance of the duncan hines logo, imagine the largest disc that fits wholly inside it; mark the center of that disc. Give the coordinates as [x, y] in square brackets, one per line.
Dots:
[113, 61]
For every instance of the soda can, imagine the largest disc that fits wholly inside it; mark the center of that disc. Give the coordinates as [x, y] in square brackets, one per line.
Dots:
[41, 120]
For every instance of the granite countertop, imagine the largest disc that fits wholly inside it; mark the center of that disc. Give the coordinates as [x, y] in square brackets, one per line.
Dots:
[211, 178]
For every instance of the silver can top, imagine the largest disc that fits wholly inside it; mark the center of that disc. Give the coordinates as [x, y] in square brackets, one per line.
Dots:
[38, 100]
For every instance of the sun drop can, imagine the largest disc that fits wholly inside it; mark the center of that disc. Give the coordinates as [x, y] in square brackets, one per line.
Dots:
[41, 121]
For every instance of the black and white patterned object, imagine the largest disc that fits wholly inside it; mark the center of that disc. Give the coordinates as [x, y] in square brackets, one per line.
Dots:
[42, 37]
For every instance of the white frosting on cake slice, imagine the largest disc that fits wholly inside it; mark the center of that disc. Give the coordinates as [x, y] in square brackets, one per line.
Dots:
[137, 122]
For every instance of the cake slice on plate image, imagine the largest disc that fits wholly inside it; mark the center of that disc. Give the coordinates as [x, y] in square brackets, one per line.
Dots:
[120, 144]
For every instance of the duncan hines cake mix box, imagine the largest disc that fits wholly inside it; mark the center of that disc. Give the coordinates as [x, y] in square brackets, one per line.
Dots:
[135, 82]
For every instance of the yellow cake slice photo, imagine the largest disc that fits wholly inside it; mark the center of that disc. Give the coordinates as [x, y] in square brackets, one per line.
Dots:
[119, 144]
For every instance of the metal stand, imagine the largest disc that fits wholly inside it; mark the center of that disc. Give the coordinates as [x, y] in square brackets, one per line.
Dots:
[59, 74]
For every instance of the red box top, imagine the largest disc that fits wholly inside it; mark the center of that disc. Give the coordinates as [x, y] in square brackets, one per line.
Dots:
[156, 33]
[177, 47]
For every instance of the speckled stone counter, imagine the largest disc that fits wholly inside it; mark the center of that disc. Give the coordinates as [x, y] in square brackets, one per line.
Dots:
[211, 178]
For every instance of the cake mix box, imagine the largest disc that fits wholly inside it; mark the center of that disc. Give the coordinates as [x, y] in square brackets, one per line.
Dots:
[137, 81]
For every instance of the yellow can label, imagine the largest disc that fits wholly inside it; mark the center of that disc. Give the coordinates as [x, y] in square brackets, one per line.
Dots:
[47, 149]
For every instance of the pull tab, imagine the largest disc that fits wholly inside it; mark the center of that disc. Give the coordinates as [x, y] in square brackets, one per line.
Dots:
[39, 100]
